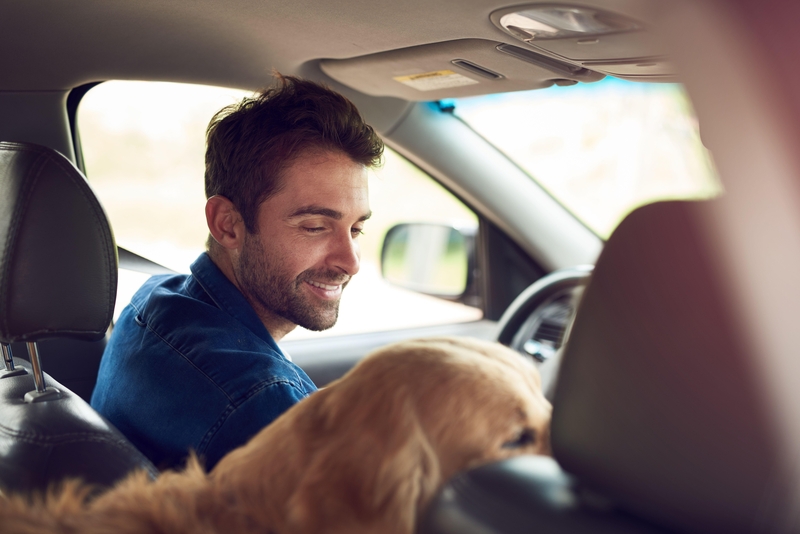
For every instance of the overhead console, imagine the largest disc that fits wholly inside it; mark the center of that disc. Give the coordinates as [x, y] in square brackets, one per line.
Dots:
[595, 38]
[534, 45]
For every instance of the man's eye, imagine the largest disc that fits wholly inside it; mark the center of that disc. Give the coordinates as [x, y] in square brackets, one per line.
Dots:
[313, 229]
[356, 232]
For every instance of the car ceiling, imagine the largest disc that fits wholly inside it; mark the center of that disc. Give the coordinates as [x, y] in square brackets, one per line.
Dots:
[235, 43]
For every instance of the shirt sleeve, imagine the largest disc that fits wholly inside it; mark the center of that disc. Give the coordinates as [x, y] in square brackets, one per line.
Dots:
[242, 422]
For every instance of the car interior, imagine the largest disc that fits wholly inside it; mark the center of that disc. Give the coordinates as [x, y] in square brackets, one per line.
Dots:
[61, 277]
[667, 344]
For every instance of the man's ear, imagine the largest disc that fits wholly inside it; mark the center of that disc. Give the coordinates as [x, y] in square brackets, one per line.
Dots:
[224, 222]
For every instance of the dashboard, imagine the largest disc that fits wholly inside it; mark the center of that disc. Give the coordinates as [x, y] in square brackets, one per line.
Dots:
[538, 321]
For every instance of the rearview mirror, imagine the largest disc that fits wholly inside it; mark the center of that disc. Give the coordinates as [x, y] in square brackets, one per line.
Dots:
[434, 259]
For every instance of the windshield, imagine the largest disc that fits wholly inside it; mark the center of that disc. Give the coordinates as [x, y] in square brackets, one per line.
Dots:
[601, 149]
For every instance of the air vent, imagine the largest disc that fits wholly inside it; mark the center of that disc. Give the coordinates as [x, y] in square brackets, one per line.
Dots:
[476, 69]
[549, 334]
[551, 331]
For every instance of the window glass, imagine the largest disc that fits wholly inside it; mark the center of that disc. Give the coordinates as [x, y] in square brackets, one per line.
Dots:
[144, 144]
[601, 149]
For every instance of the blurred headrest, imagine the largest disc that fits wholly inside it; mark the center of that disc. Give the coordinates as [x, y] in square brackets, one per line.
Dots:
[657, 405]
[58, 269]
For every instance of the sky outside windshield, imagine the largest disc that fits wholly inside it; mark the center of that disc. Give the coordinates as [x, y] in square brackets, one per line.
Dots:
[603, 148]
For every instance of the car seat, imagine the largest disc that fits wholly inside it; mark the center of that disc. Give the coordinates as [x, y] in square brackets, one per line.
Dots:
[660, 423]
[58, 279]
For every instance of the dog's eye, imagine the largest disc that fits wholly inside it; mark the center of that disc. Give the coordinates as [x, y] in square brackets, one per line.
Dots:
[526, 437]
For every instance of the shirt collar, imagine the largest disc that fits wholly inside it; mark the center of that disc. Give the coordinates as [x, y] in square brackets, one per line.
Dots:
[228, 298]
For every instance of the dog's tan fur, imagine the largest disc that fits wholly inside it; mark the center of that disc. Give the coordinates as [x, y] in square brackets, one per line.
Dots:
[365, 454]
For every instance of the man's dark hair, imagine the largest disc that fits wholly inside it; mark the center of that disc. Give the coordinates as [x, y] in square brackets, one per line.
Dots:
[250, 144]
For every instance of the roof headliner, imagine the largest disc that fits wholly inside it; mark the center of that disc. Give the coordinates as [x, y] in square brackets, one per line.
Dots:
[236, 44]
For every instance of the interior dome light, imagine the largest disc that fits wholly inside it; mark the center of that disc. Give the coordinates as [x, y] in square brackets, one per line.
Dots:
[558, 22]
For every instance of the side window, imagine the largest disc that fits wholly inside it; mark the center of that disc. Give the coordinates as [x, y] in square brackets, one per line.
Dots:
[143, 145]
[399, 193]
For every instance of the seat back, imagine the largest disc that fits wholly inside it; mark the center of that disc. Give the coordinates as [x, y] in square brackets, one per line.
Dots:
[658, 406]
[73, 363]
[58, 276]
[659, 421]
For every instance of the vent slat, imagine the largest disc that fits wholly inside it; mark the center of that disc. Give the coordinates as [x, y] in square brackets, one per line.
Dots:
[549, 331]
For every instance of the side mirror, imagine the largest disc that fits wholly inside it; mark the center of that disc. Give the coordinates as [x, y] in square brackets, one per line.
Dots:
[435, 259]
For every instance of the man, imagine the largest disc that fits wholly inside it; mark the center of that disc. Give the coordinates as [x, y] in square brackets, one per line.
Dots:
[193, 361]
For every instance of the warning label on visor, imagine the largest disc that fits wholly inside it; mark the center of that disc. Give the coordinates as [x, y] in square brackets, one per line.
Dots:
[430, 81]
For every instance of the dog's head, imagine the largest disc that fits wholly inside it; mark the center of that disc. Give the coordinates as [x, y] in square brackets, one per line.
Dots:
[473, 401]
[374, 447]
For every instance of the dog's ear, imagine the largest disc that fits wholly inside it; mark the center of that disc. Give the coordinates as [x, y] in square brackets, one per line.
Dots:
[375, 481]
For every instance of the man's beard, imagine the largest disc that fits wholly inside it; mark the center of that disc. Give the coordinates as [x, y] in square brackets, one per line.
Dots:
[261, 280]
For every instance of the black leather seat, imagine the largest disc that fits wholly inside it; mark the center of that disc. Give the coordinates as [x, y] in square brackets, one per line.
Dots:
[658, 417]
[73, 363]
[58, 276]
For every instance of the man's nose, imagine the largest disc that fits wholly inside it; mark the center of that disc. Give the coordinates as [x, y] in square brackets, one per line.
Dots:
[345, 255]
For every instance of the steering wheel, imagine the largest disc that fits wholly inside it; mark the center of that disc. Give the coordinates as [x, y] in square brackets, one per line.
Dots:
[537, 322]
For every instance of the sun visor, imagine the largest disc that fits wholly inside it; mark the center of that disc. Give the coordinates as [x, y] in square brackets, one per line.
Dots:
[454, 69]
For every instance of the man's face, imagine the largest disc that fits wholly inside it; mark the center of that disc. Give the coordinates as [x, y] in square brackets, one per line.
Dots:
[306, 249]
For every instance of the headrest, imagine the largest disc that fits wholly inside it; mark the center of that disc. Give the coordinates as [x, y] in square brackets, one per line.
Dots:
[58, 261]
[657, 405]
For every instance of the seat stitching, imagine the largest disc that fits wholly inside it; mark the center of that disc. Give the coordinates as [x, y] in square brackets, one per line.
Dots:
[32, 177]
[33, 437]
[28, 185]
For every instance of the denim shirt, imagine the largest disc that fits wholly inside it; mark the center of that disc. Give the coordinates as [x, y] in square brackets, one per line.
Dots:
[191, 366]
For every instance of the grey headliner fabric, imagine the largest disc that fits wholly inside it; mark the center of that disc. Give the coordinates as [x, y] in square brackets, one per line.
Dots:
[237, 43]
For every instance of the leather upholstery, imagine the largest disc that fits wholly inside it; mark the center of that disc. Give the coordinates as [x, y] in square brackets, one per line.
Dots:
[58, 262]
[58, 278]
[656, 412]
[46, 442]
[656, 406]
[72, 362]
[519, 496]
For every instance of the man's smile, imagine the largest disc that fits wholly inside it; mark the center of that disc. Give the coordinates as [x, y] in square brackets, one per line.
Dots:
[324, 286]
[325, 291]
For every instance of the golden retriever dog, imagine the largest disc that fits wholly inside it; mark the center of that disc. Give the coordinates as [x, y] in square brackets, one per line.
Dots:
[365, 454]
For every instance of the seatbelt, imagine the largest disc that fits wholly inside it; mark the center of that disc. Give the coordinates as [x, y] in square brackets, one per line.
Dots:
[133, 262]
